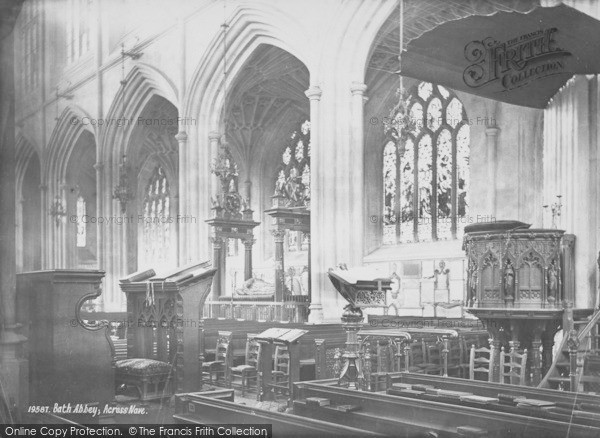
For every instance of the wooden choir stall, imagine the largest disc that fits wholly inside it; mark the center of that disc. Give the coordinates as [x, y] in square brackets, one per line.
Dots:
[70, 359]
[164, 336]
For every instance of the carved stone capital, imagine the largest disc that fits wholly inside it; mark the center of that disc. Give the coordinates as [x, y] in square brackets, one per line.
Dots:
[248, 242]
[358, 88]
[492, 131]
[314, 93]
[217, 242]
[279, 235]
[181, 137]
[214, 136]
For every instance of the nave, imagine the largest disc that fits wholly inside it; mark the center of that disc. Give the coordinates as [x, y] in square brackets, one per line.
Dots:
[333, 217]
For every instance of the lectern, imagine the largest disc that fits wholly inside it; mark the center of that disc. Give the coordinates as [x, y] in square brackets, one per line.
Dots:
[270, 339]
[361, 287]
[70, 360]
[164, 319]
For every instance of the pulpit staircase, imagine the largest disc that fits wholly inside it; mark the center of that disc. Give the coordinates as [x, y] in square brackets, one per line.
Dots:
[580, 352]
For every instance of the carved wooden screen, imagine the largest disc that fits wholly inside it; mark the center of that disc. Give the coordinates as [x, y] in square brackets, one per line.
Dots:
[155, 334]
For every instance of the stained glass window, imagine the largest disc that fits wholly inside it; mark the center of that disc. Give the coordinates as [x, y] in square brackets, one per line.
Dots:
[157, 224]
[426, 179]
[81, 224]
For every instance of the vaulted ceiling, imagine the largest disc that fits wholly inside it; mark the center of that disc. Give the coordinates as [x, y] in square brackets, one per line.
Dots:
[154, 134]
[268, 90]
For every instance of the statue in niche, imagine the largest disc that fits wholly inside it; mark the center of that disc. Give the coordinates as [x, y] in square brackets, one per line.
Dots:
[509, 281]
[472, 283]
[294, 188]
[280, 185]
[552, 281]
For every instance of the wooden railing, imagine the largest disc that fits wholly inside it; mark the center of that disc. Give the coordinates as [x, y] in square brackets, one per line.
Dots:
[574, 347]
[292, 310]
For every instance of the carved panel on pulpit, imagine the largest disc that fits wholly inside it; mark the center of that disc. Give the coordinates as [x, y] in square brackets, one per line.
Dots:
[490, 279]
[531, 278]
[519, 268]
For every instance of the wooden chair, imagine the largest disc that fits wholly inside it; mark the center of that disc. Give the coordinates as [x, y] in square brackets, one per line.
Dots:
[464, 365]
[221, 366]
[249, 370]
[281, 370]
[432, 350]
[418, 359]
[456, 364]
[479, 363]
[512, 367]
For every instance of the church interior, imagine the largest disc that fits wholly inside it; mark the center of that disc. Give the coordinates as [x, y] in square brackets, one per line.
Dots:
[332, 217]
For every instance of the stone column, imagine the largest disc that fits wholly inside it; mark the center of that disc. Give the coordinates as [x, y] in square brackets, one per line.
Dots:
[357, 175]
[217, 257]
[14, 368]
[248, 258]
[45, 237]
[214, 138]
[318, 167]
[491, 134]
[99, 168]
[279, 269]
[182, 204]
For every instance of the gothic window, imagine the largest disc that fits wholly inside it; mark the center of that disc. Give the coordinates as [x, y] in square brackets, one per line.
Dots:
[156, 230]
[31, 34]
[426, 178]
[292, 179]
[81, 222]
[78, 28]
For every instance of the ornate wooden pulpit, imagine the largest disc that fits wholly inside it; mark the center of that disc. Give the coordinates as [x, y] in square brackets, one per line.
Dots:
[70, 361]
[164, 319]
[361, 288]
[519, 280]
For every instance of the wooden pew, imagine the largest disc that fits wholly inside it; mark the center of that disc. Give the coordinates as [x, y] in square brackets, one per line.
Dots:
[492, 389]
[197, 408]
[333, 334]
[394, 415]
